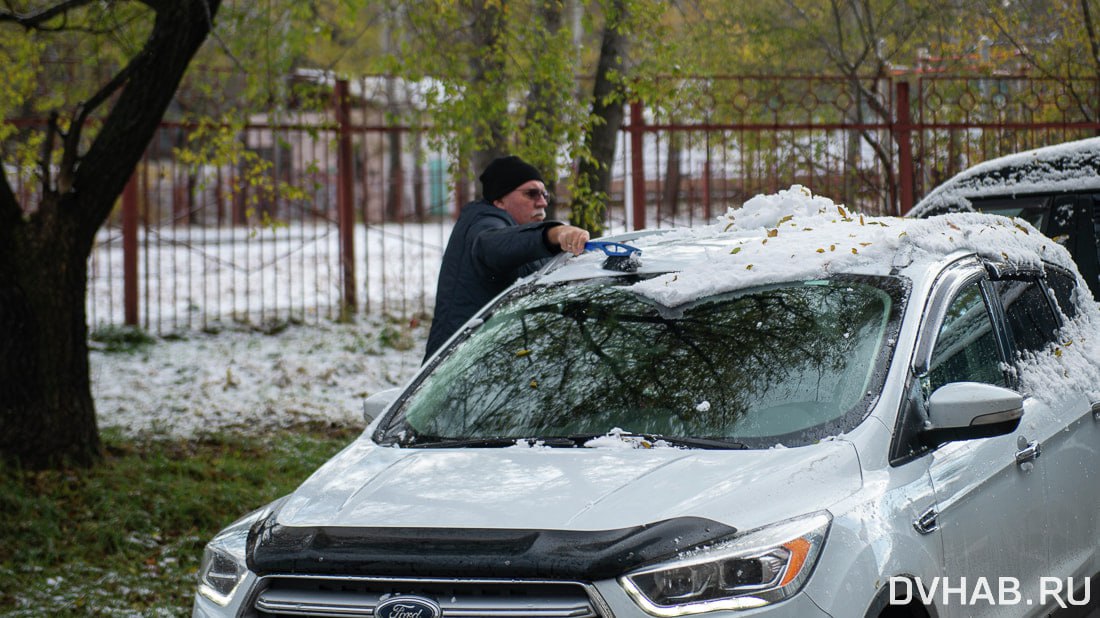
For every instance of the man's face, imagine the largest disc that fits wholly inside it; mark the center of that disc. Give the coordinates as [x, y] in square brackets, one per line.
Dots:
[527, 203]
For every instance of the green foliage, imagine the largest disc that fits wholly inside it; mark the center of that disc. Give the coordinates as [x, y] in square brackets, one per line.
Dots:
[522, 85]
[396, 335]
[589, 206]
[122, 338]
[127, 536]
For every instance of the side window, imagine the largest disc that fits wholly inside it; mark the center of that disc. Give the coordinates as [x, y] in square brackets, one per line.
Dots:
[966, 347]
[1031, 322]
[1062, 285]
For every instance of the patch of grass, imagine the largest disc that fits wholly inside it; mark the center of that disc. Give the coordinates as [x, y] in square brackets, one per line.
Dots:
[126, 537]
[396, 336]
[116, 338]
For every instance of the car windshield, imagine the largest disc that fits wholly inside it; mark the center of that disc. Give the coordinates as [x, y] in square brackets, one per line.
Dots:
[786, 364]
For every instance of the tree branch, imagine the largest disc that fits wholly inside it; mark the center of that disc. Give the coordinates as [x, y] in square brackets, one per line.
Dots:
[148, 85]
[70, 153]
[1090, 29]
[9, 206]
[39, 19]
[47, 152]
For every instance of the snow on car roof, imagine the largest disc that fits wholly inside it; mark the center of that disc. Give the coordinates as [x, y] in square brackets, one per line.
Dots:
[794, 235]
[1073, 166]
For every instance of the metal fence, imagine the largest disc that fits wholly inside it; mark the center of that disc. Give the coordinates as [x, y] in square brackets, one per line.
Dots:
[346, 210]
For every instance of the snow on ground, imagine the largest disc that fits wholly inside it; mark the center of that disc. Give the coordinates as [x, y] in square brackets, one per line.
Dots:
[251, 382]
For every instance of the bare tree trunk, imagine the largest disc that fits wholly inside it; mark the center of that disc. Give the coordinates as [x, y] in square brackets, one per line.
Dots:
[46, 406]
[488, 26]
[542, 108]
[45, 400]
[602, 138]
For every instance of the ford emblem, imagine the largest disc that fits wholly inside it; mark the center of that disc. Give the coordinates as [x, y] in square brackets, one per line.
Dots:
[408, 607]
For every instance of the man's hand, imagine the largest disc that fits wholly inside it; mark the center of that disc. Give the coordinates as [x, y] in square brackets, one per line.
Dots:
[569, 238]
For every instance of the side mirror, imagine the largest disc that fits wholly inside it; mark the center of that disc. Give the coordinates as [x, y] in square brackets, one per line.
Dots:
[970, 410]
[377, 403]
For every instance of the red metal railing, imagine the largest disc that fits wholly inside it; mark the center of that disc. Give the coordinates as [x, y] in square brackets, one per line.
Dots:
[350, 211]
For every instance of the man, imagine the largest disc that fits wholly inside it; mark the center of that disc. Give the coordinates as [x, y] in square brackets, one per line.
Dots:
[497, 239]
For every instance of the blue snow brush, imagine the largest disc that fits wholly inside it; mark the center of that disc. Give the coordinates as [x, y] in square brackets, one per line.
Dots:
[621, 257]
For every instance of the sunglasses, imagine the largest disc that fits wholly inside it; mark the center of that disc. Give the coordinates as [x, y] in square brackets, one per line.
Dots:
[535, 194]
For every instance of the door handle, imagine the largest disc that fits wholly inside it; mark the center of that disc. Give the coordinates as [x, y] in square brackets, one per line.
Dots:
[927, 523]
[1029, 451]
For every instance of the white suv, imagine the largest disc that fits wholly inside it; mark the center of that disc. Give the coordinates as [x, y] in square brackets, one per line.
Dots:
[798, 411]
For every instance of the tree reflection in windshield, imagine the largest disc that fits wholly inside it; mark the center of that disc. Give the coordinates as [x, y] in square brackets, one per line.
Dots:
[788, 362]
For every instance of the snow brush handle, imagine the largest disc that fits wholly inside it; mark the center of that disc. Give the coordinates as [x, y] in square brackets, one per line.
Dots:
[611, 248]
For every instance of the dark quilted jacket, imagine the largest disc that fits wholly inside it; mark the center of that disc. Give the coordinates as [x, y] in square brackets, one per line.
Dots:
[486, 253]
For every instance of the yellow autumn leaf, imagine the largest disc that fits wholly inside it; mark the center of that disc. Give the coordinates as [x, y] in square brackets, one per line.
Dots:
[735, 250]
[523, 352]
[772, 233]
[820, 250]
[854, 251]
[534, 383]
[749, 267]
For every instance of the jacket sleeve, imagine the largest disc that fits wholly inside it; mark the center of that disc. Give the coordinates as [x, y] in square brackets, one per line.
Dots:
[506, 248]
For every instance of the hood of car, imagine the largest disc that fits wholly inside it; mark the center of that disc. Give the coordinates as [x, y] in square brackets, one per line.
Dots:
[569, 489]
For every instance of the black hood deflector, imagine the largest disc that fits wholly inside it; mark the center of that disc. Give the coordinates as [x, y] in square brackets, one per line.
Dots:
[473, 553]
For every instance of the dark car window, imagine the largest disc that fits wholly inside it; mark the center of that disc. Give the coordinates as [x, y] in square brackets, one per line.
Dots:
[1062, 285]
[790, 363]
[966, 347]
[1031, 209]
[1031, 322]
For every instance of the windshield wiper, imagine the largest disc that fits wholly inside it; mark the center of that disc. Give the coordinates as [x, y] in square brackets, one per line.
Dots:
[647, 440]
[652, 438]
[496, 442]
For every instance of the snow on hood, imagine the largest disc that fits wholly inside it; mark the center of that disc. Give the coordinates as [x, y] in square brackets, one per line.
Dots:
[570, 488]
[794, 235]
[1073, 166]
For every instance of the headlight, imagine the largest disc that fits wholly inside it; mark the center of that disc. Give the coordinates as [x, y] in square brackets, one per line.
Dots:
[759, 567]
[223, 559]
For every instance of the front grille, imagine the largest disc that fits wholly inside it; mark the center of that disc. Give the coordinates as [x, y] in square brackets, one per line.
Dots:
[297, 596]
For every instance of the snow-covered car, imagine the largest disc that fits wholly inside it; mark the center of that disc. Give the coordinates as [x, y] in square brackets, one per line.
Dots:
[1056, 189]
[798, 411]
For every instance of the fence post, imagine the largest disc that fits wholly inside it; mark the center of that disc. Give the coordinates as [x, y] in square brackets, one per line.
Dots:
[637, 163]
[130, 251]
[345, 196]
[903, 127]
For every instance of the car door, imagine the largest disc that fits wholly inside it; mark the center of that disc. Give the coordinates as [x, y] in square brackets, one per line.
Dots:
[1062, 423]
[990, 497]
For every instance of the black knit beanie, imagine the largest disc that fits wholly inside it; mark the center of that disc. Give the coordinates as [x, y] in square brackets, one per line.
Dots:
[504, 174]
